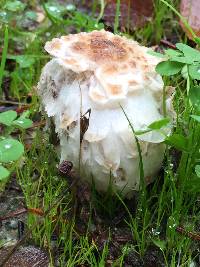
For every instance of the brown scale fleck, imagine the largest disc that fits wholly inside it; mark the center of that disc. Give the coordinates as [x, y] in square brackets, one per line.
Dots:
[65, 38]
[143, 59]
[125, 67]
[146, 77]
[132, 83]
[97, 96]
[132, 64]
[138, 58]
[145, 67]
[79, 46]
[70, 61]
[110, 69]
[99, 46]
[130, 49]
[117, 40]
[114, 89]
[56, 45]
[65, 120]
[102, 48]
[96, 34]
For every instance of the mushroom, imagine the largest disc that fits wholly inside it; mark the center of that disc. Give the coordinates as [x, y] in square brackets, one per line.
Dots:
[91, 79]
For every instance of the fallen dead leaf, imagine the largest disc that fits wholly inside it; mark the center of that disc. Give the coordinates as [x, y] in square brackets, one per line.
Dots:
[133, 13]
[190, 9]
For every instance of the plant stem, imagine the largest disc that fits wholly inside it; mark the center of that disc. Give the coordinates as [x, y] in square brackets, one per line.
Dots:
[117, 14]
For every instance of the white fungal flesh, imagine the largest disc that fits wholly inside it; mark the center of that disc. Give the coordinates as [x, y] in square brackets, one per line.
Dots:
[90, 79]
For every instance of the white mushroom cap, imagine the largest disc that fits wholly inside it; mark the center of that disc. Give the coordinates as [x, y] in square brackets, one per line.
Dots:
[99, 73]
[120, 66]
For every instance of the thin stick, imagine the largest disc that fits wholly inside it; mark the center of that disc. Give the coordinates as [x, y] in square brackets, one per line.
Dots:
[13, 103]
[192, 235]
[13, 214]
[167, 43]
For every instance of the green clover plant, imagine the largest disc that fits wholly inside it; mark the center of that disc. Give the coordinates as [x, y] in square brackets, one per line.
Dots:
[184, 60]
[11, 149]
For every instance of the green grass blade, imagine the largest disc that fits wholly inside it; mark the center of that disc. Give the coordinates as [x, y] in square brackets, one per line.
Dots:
[139, 150]
[186, 24]
[102, 3]
[116, 24]
[3, 58]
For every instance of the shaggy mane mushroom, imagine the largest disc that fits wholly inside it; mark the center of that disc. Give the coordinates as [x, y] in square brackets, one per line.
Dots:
[91, 77]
